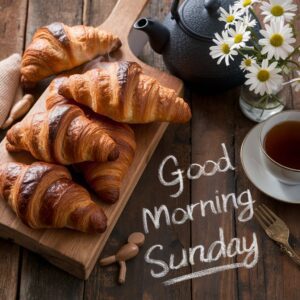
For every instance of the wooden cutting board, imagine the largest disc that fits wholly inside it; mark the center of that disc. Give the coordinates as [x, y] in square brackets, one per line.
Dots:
[72, 251]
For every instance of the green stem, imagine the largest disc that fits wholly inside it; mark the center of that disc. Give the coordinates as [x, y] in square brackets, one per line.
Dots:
[263, 98]
[253, 33]
[251, 51]
[264, 106]
[241, 53]
[277, 99]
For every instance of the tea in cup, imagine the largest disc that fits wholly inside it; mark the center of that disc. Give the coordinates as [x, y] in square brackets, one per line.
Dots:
[280, 145]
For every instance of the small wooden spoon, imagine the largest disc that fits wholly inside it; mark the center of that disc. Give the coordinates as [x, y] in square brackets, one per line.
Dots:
[126, 252]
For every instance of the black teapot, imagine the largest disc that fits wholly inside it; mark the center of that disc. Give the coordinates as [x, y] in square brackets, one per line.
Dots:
[184, 39]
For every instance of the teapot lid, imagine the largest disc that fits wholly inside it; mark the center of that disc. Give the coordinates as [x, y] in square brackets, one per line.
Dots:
[200, 18]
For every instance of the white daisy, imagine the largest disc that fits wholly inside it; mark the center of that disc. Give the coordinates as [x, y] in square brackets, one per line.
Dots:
[274, 9]
[296, 82]
[264, 79]
[247, 62]
[244, 4]
[229, 17]
[277, 39]
[239, 35]
[223, 49]
[248, 19]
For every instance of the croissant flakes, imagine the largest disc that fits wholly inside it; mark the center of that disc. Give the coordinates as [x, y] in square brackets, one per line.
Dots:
[44, 196]
[123, 93]
[62, 134]
[104, 178]
[58, 47]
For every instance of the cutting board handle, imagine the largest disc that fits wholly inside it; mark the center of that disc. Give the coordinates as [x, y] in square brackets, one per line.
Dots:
[122, 17]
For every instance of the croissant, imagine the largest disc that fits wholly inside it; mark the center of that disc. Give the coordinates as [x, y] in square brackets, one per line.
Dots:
[44, 196]
[58, 47]
[120, 91]
[63, 135]
[104, 178]
[53, 99]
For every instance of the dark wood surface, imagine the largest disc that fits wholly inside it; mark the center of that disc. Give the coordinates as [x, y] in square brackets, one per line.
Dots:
[216, 119]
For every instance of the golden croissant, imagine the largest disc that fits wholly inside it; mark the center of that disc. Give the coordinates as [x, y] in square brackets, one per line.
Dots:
[104, 178]
[44, 196]
[63, 135]
[58, 47]
[120, 91]
[53, 98]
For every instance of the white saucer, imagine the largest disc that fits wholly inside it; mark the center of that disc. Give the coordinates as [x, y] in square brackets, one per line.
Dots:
[251, 158]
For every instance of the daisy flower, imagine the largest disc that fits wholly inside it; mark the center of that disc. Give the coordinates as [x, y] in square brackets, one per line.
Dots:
[239, 35]
[244, 4]
[264, 79]
[248, 20]
[277, 39]
[275, 9]
[247, 62]
[223, 48]
[229, 17]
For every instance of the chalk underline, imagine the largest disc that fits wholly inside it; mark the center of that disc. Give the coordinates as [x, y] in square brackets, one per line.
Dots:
[203, 273]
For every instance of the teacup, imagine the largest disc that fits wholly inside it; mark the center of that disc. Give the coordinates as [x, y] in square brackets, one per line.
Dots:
[285, 174]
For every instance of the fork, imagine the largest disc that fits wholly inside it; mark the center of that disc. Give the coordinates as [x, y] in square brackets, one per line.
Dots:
[276, 229]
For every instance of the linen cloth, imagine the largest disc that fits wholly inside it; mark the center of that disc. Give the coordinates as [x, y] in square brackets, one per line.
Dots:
[10, 88]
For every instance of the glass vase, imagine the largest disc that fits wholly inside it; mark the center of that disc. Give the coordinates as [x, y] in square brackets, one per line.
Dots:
[259, 108]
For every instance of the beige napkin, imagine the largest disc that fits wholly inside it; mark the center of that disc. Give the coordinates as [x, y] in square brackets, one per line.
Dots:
[10, 89]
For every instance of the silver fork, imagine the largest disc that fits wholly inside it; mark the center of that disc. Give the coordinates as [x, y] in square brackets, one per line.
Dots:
[276, 229]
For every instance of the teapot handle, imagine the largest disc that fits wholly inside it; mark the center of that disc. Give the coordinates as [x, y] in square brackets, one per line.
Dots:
[174, 10]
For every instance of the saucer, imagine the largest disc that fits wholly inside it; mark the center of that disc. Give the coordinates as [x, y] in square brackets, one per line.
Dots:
[258, 174]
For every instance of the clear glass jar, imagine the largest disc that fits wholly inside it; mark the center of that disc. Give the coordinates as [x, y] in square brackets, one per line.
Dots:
[259, 108]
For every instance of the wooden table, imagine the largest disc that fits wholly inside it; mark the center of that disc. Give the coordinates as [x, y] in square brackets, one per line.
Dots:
[216, 119]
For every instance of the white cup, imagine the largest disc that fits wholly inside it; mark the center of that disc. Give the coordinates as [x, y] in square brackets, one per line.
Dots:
[284, 174]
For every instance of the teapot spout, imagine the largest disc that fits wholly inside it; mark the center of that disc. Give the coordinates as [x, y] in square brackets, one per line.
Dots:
[158, 34]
